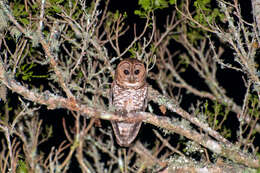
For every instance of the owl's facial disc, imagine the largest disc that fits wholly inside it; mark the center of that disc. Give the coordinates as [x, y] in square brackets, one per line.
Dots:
[131, 74]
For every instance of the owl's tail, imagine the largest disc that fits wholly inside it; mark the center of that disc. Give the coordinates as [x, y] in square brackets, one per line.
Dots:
[125, 132]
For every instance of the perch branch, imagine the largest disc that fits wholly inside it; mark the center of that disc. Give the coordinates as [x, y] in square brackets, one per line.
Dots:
[54, 102]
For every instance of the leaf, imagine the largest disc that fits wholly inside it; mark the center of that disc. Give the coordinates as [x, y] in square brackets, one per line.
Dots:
[22, 167]
[24, 21]
[56, 9]
[60, 1]
[172, 2]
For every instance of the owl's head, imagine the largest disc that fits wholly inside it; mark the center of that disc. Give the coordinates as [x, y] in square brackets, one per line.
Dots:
[130, 73]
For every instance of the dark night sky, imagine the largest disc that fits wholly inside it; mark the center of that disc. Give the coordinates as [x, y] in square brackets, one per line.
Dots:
[229, 79]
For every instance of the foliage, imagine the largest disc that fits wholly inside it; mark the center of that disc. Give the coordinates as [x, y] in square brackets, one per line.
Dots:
[148, 6]
[206, 14]
[57, 64]
[27, 73]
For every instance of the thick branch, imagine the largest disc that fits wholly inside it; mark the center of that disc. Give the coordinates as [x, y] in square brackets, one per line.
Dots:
[55, 102]
[256, 13]
[52, 101]
[209, 168]
[169, 103]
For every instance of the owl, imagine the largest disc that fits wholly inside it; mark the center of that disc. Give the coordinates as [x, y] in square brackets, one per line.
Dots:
[128, 95]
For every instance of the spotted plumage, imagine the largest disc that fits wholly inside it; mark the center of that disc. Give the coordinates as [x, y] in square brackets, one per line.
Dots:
[128, 96]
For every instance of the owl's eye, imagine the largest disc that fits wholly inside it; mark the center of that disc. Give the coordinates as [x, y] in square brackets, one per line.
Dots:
[137, 72]
[126, 72]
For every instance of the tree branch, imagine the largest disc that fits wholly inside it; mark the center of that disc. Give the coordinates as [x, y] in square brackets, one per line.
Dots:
[52, 101]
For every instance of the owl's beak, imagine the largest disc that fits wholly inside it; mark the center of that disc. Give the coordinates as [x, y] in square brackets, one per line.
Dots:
[132, 80]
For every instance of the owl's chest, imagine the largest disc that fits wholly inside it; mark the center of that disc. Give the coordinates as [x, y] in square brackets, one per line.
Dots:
[129, 99]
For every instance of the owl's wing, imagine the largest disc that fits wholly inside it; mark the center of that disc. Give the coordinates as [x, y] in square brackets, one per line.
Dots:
[146, 98]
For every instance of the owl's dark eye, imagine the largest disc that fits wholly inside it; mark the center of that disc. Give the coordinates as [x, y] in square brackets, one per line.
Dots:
[137, 72]
[126, 72]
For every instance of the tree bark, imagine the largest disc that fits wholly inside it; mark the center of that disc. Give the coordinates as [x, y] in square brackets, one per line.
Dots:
[256, 13]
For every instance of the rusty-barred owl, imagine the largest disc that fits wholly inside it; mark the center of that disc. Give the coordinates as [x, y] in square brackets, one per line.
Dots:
[128, 96]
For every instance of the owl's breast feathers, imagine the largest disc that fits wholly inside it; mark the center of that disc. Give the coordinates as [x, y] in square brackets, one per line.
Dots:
[129, 99]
